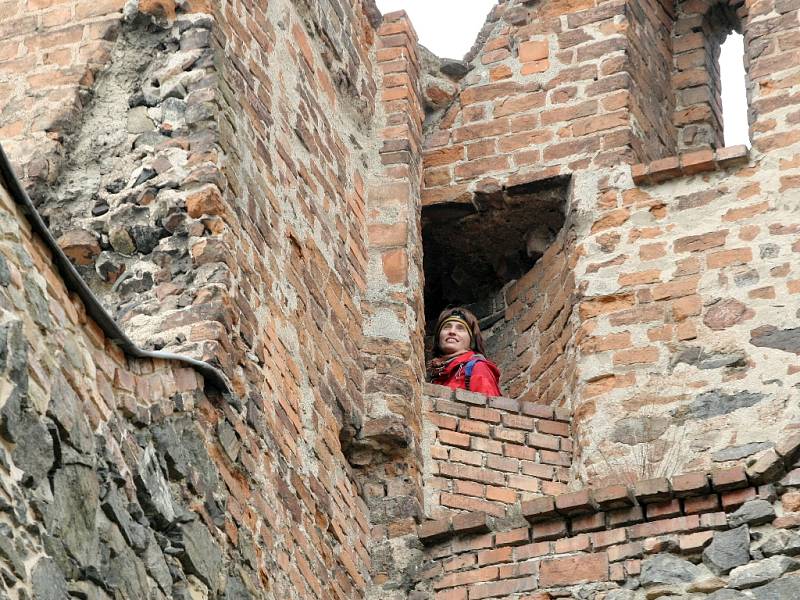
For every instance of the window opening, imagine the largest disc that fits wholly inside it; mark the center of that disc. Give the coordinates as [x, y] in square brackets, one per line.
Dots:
[734, 91]
[471, 251]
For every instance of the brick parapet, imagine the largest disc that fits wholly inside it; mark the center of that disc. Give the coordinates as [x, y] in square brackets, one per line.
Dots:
[487, 453]
[644, 501]
[603, 535]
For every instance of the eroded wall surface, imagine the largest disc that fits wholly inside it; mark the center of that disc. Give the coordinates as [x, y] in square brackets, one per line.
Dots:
[245, 184]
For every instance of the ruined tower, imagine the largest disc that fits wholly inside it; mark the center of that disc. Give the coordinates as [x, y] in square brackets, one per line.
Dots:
[224, 226]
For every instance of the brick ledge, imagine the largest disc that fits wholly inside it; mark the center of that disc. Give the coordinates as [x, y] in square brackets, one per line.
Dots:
[769, 468]
[689, 163]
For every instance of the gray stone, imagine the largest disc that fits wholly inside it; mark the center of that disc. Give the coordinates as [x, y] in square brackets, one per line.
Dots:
[113, 506]
[761, 572]
[138, 121]
[11, 414]
[148, 140]
[127, 575]
[130, 283]
[33, 452]
[728, 550]
[181, 442]
[47, 581]
[727, 595]
[155, 564]
[769, 336]
[235, 589]
[753, 513]
[120, 240]
[791, 479]
[199, 112]
[146, 237]
[228, 439]
[455, 69]
[74, 512]
[201, 555]
[715, 360]
[668, 569]
[5, 272]
[621, 595]
[638, 430]
[145, 174]
[782, 541]
[173, 110]
[195, 38]
[716, 402]
[10, 554]
[65, 409]
[152, 489]
[39, 305]
[786, 588]
[86, 590]
[739, 452]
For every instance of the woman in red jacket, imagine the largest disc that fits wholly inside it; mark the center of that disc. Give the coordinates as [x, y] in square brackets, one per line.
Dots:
[458, 361]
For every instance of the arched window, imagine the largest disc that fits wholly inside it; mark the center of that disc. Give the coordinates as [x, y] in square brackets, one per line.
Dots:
[701, 27]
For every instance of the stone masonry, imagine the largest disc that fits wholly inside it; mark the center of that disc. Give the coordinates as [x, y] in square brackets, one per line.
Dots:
[289, 191]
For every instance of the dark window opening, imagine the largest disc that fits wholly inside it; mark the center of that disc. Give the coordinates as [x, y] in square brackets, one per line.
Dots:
[473, 250]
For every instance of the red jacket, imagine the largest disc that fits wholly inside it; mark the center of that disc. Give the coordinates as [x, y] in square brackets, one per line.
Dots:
[484, 379]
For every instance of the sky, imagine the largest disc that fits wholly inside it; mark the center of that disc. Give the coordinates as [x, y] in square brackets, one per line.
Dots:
[448, 28]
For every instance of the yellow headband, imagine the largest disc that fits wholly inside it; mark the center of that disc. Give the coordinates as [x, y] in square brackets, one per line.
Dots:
[456, 320]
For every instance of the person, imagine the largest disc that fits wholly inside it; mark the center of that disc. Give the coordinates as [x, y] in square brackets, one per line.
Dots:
[458, 355]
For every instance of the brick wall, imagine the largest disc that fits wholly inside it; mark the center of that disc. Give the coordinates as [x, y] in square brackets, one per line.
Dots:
[696, 533]
[485, 454]
[677, 274]
[652, 99]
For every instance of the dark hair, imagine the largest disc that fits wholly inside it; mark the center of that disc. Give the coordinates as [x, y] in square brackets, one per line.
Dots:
[472, 321]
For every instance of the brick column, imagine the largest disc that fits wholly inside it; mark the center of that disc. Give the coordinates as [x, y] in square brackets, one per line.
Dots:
[393, 325]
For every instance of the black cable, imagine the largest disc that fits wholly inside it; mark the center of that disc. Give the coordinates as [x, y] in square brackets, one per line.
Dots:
[75, 283]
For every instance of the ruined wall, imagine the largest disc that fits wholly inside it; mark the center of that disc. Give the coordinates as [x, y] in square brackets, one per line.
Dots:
[714, 535]
[211, 227]
[246, 184]
[114, 470]
[678, 285]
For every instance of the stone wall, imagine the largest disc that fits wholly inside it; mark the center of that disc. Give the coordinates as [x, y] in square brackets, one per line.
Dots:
[113, 469]
[251, 185]
[721, 535]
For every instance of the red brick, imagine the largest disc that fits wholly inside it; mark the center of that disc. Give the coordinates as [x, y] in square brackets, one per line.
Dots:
[679, 524]
[453, 438]
[663, 510]
[579, 543]
[466, 577]
[701, 504]
[695, 542]
[728, 479]
[549, 530]
[538, 509]
[497, 555]
[515, 537]
[735, 498]
[574, 570]
[470, 523]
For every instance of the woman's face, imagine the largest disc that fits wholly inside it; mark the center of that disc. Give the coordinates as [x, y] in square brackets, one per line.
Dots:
[453, 337]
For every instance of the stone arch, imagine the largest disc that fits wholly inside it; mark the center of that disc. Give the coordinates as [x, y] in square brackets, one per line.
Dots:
[701, 26]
